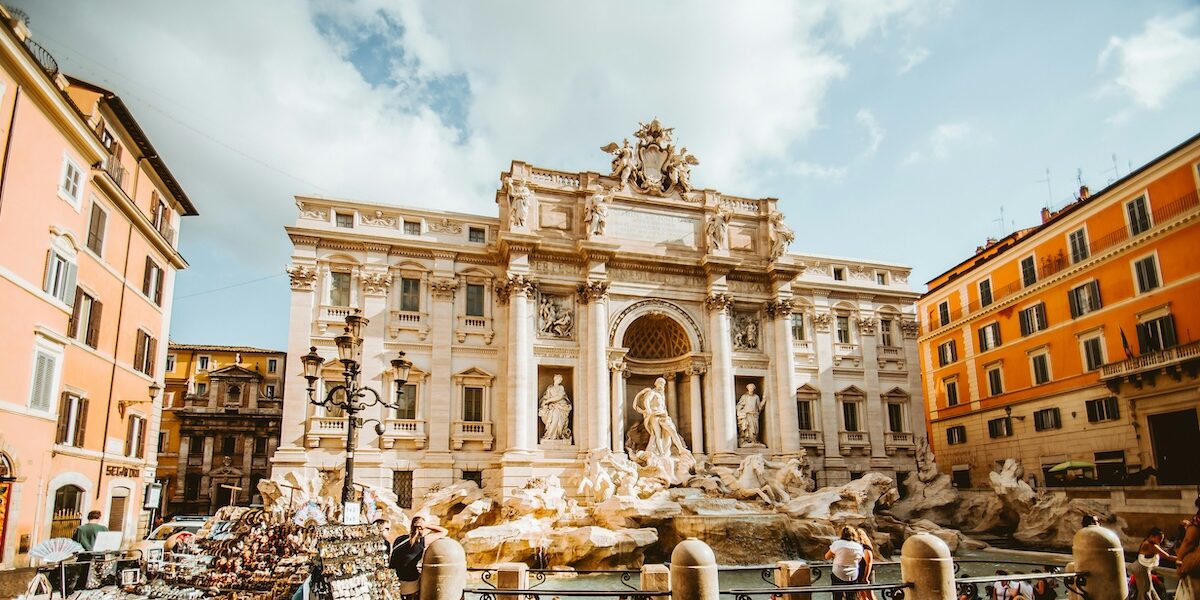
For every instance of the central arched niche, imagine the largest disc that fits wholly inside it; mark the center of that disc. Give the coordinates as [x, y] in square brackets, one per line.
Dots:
[655, 344]
[655, 337]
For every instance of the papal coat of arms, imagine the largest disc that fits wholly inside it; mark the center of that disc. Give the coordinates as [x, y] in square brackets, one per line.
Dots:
[654, 167]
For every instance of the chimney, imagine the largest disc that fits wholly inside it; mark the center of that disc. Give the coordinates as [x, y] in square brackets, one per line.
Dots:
[1046, 214]
[1083, 192]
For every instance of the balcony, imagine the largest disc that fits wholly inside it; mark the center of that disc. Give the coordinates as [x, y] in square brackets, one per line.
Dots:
[469, 325]
[320, 428]
[891, 352]
[410, 430]
[894, 440]
[472, 431]
[851, 353]
[853, 439]
[812, 441]
[166, 231]
[1143, 368]
[43, 57]
[334, 316]
[408, 320]
[113, 167]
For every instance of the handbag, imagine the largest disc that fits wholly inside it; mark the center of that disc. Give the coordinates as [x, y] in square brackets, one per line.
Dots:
[1186, 589]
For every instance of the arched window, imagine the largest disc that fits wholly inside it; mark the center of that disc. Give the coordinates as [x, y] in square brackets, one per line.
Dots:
[68, 503]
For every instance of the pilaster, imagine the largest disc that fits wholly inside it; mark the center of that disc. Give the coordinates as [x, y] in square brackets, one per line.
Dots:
[599, 427]
[723, 421]
[295, 394]
[783, 402]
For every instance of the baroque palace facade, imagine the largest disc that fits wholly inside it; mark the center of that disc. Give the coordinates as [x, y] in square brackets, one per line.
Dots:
[1075, 342]
[585, 289]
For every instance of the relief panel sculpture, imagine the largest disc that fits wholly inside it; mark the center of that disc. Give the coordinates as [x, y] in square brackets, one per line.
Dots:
[556, 318]
[746, 336]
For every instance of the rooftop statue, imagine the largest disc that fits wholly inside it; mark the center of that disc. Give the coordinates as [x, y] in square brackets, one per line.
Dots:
[655, 166]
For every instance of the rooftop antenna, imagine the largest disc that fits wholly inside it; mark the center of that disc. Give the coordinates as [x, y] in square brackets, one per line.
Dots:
[1001, 222]
[1049, 192]
[1116, 173]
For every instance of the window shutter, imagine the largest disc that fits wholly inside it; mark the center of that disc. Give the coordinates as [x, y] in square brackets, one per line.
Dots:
[1024, 322]
[1143, 338]
[953, 350]
[81, 424]
[1168, 327]
[996, 334]
[146, 278]
[983, 338]
[49, 270]
[70, 289]
[1073, 300]
[73, 324]
[93, 332]
[141, 438]
[43, 372]
[1094, 288]
[151, 353]
[64, 413]
[1041, 316]
[139, 352]
[158, 285]
[129, 437]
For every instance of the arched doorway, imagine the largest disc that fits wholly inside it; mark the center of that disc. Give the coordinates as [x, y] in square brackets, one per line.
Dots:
[68, 504]
[658, 345]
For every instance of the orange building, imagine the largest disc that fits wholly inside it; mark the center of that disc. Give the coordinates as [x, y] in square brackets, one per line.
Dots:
[88, 215]
[1076, 340]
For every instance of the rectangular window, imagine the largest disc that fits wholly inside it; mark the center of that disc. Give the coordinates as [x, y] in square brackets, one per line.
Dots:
[152, 281]
[985, 292]
[344, 220]
[202, 363]
[1079, 245]
[270, 391]
[1041, 368]
[260, 446]
[96, 229]
[1147, 274]
[850, 415]
[410, 294]
[71, 182]
[144, 353]
[881, 278]
[474, 300]
[196, 446]
[60, 277]
[1047, 418]
[951, 393]
[1084, 299]
[44, 383]
[798, 333]
[170, 363]
[1157, 334]
[85, 319]
[1093, 352]
[843, 330]
[201, 388]
[402, 486]
[1001, 427]
[1139, 215]
[412, 228]
[163, 438]
[944, 313]
[1028, 271]
[135, 437]
[895, 412]
[839, 274]
[989, 336]
[961, 478]
[191, 486]
[473, 404]
[228, 445]
[72, 419]
[885, 332]
[1033, 319]
[956, 435]
[407, 402]
[1103, 409]
[476, 235]
[995, 377]
[272, 365]
[804, 416]
[339, 289]
[475, 476]
[947, 353]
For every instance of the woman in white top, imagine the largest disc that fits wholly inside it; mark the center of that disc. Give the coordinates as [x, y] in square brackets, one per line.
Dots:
[1148, 556]
[846, 553]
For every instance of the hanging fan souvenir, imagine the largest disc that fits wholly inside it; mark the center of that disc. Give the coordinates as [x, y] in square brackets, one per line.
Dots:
[56, 550]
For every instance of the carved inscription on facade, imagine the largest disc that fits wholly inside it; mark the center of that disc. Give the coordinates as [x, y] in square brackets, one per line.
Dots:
[651, 227]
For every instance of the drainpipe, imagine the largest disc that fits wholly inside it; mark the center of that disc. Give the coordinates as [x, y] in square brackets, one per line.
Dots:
[12, 121]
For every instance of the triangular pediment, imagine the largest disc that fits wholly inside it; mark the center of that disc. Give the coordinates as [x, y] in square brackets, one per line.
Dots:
[234, 372]
[807, 390]
[852, 391]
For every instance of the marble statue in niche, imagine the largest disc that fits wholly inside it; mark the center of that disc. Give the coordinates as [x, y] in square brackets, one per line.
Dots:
[596, 213]
[555, 411]
[555, 318]
[666, 455]
[717, 229]
[518, 202]
[782, 235]
[749, 407]
[746, 332]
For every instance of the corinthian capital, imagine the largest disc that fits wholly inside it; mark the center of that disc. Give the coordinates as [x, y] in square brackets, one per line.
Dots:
[443, 287]
[719, 302]
[593, 291]
[303, 276]
[781, 308]
[515, 285]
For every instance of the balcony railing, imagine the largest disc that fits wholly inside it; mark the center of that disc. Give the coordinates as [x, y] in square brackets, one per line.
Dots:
[325, 428]
[472, 431]
[43, 57]
[167, 232]
[890, 351]
[854, 439]
[845, 349]
[1152, 360]
[113, 167]
[810, 438]
[404, 429]
[899, 439]
[802, 346]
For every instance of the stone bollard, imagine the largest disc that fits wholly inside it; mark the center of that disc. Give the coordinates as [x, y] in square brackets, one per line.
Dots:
[793, 573]
[655, 578]
[925, 563]
[693, 571]
[511, 576]
[444, 571]
[1097, 551]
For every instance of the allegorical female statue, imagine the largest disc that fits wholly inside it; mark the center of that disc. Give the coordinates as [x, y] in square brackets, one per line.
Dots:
[665, 449]
[555, 411]
[749, 407]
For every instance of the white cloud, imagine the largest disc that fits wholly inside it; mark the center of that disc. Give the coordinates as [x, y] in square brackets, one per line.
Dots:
[942, 141]
[816, 171]
[912, 58]
[1154, 63]
[867, 119]
[858, 19]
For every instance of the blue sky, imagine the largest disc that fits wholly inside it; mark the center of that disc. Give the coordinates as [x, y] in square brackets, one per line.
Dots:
[889, 130]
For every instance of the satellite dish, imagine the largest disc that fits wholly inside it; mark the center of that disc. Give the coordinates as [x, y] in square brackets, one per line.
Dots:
[56, 550]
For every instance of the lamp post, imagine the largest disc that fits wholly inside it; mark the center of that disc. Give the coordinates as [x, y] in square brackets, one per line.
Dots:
[352, 399]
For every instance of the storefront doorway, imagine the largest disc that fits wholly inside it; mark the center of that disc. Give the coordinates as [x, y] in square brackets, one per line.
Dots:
[1173, 436]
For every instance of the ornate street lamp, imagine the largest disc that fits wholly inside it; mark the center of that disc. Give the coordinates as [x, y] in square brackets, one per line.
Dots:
[352, 393]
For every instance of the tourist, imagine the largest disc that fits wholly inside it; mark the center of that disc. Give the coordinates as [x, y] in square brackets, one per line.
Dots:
[1090, 521]
[1019, 590]
[1000, 588]
[1188, 562]
[846, 553]
[1043, 589]
[385, 528]
[1149, 554]
[866, 566]
[407, 552]
[86, 534]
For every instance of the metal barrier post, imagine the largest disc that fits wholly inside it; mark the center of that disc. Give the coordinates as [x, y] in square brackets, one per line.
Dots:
[693, 572]
[444, 574]
[511, 576]
[793, 573]
[1097, 552]
[655, 578]
[925, 563]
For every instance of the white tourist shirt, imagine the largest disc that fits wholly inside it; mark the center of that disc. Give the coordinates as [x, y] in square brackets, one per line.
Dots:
[846, 555]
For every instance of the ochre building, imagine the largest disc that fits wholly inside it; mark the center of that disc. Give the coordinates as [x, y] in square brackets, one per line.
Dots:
[220, 425]
[1076, 342]
[89, 220]
[604, 282]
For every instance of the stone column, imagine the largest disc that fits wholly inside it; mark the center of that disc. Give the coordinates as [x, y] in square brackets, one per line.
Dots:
[617, 368]
[672, 397]
[295, 395]
[696, 406]
[439, 415]
[831, 412]
[375, 286]
[784, 400]
[723, 437]
[522, 400]
[876, 413]
[599, 429]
